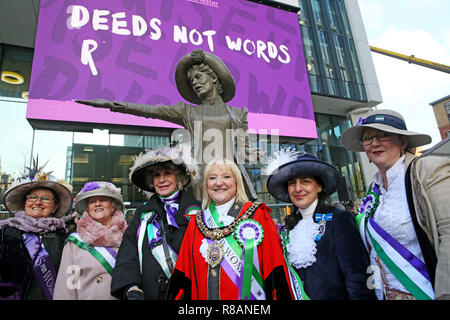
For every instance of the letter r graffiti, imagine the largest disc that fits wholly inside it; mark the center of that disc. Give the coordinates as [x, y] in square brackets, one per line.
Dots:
[87, 48]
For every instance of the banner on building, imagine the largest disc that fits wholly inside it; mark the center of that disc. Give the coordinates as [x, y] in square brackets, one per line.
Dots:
[128, 51]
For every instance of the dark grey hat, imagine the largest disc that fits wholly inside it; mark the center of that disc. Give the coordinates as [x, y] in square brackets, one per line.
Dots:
[289, 164]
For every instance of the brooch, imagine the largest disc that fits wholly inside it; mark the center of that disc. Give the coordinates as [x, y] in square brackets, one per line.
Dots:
[214, 253]
[322, 220]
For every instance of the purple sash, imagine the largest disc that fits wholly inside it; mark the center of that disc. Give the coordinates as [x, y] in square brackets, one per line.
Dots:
[43, 268]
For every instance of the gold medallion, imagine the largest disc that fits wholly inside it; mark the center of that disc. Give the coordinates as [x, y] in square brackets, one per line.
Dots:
[214, 253]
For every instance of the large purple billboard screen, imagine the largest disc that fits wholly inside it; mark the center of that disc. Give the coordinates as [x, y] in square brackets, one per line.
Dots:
[128, 51]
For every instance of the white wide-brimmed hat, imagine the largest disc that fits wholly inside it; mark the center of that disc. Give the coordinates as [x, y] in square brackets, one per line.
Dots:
[384, 120]
[142, 166]
[14, 198]
[98, 188]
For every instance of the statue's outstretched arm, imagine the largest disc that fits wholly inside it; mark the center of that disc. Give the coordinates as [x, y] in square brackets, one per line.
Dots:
[171, 113]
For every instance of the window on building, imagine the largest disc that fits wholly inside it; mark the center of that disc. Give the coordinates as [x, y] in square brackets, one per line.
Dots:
[15, 71]
[447, 109]
[328, 42]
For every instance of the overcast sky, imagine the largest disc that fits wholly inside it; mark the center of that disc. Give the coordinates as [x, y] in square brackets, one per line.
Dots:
[411, 27]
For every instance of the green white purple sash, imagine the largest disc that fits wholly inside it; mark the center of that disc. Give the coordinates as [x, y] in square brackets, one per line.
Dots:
[154, 242]
[409, 270]
[296, 283]
[244, 273]
[105, 255]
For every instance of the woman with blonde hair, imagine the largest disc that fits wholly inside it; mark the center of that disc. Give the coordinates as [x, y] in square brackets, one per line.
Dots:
[231, 250]
[241, 195]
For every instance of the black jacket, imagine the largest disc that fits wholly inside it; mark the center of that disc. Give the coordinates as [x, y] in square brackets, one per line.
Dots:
[153, 280]
[15, 261]
[340, 271]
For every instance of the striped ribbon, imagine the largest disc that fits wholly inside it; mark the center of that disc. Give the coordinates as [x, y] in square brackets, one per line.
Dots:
[409, 270]
[252, 288]
[171, 206]
[156, 248]
[105, 255]
[296, 282]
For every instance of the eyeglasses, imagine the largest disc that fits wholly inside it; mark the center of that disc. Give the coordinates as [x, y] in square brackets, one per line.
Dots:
[44, 199]
[381, 136]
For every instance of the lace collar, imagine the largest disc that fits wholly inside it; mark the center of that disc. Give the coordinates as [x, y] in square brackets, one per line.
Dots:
[302, 245]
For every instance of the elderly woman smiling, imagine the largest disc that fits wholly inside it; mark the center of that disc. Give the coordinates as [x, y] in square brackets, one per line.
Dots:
[32, 240]
[253, 268]
[151, 243]
[89, 257]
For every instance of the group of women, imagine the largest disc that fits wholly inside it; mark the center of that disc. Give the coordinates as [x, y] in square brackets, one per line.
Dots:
[226, 247]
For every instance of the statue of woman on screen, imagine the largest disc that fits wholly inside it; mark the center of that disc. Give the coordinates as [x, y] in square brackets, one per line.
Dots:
[216, 129]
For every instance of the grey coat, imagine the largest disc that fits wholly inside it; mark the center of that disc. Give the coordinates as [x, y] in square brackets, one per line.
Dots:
[429, 179]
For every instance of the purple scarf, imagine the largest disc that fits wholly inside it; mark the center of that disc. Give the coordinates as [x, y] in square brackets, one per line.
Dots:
[27, 223]
[170, 209]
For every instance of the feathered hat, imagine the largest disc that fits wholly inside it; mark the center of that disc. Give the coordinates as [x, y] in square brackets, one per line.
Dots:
[14, 198]
[141, 169]
[289, 163]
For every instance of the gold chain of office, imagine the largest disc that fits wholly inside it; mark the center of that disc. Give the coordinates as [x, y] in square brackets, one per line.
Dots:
[222, 232]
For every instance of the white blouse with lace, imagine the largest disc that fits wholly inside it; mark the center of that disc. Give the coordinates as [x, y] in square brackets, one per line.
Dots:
[302, 246]
[392, 214]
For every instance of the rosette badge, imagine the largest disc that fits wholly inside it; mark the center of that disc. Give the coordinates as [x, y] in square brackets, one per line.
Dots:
[249, 234]
[370, 202]
[249, 230]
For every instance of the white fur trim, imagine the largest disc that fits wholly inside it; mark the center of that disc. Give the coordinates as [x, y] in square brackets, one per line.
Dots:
[162, 154]
[204, 249]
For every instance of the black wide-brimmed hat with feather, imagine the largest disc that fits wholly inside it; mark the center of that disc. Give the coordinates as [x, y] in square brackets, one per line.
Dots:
[14, 197]
[288, 164]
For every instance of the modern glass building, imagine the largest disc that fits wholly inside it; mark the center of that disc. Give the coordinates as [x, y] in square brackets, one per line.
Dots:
[341, 76]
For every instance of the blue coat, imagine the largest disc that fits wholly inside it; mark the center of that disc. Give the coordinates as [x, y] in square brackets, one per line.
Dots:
[340, 271]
